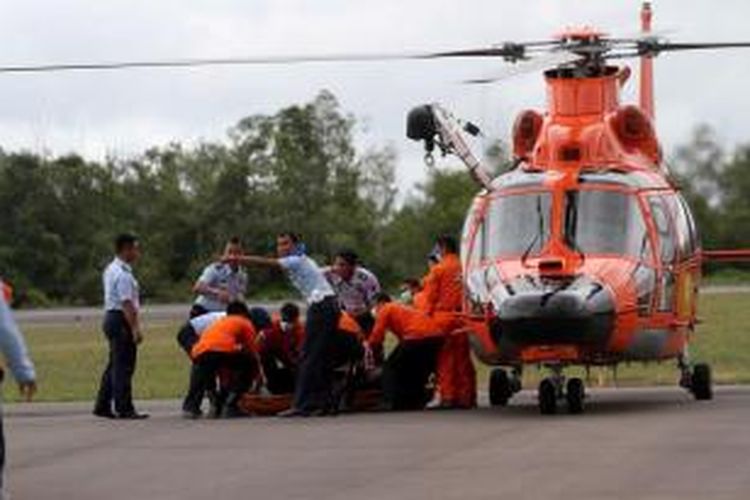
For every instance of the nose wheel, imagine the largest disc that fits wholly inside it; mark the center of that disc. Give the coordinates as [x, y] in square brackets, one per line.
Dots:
[503, 386]
[554, 390]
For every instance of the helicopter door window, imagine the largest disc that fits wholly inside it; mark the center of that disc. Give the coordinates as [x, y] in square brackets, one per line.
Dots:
[685, 226]
[667, 250]
[518, 224]
[663, 223]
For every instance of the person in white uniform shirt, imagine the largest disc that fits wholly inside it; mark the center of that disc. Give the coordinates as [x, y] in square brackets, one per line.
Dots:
[312, 390]
[220, 283]
[355, 286]
[123, 331]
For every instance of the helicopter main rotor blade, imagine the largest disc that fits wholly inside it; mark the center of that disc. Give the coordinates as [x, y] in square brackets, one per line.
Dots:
[229, 61]
[507, 51]
[539, 63]
[657, 47]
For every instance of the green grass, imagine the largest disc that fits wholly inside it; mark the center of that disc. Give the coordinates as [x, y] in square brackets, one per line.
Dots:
[70, 358]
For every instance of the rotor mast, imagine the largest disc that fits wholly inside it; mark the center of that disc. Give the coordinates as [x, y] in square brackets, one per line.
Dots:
[647, 66]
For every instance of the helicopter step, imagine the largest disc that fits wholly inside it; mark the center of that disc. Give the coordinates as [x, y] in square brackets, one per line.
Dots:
[554, 390]
[504, 385]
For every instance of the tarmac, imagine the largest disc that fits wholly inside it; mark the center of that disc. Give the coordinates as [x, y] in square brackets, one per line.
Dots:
[646, 443]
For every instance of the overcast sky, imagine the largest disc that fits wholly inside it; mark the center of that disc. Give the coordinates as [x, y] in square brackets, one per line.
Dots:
[97, 114]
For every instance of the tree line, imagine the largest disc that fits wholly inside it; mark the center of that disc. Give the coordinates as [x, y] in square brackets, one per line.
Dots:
[297, 169]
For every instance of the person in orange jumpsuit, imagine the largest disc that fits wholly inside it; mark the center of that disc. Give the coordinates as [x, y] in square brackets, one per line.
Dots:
[408, 368]
[228, 345]
[442, 295]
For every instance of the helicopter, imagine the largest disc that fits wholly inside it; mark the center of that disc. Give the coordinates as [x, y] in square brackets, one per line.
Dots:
[584, 253]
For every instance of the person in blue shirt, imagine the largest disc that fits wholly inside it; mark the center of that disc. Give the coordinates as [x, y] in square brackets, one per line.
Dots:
[17, 357]
[313, 388]
[220, 283]
[123, 331]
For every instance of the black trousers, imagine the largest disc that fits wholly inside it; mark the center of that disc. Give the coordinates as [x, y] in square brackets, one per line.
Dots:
[406, 372]
[242, 367]
[280, 376]
[314, 378]
[116, 381]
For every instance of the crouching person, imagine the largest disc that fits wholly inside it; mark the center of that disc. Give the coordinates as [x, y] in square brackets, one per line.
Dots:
[279, 349]
[410, 365]
[227, 345]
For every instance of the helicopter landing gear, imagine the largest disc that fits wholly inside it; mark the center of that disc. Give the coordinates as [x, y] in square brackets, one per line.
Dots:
[554, 389]
[696, 379]
[700, 382]
[575, 393]
[503, 386]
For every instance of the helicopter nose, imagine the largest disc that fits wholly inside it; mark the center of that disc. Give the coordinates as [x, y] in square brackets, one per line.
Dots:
[542, 312]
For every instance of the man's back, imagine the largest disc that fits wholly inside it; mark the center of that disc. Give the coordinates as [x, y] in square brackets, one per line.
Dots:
[231, 334]
[443, 288]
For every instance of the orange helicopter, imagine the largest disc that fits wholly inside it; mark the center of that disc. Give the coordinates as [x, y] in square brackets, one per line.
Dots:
[584, 253]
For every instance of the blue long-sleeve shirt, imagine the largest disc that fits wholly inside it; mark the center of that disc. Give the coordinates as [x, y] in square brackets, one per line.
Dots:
[14, 347]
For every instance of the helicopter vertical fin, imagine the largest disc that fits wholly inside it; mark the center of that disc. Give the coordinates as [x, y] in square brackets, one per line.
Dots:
[647, 66]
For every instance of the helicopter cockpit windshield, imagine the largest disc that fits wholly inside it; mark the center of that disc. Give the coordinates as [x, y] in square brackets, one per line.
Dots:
[605, 222]
[519, 224]
[594, 222]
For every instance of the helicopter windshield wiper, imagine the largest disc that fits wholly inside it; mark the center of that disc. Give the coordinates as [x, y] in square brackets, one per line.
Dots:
[540, 233]
[571, 224]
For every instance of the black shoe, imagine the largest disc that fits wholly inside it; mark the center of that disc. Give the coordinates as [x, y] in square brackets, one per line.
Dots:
[132, 416]
[104, 414]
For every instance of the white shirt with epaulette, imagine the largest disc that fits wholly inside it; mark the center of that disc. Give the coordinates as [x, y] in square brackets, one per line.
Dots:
[119, 286]
[356, 296]
[222, 276]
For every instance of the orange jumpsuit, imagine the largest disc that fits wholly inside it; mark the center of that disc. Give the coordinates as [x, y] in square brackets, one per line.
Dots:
[443, 292]
[408, 323]
[228, 335]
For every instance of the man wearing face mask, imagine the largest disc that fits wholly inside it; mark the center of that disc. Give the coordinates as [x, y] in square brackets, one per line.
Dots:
[280, 347]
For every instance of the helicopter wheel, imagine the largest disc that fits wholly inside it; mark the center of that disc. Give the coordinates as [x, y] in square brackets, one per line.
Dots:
[700, 382]
[500, 387]
[548, 397]
[575, 393]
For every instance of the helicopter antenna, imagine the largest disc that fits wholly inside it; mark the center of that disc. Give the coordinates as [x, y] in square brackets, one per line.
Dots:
[647, 65]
